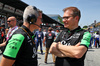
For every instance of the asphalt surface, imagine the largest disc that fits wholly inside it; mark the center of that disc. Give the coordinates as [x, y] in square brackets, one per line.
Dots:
[92, 58]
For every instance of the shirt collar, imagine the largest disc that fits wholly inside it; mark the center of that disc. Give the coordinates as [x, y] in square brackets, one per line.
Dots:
[27, 30]
[75, 30]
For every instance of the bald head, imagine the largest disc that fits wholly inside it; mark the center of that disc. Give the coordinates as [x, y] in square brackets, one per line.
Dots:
[12, 18]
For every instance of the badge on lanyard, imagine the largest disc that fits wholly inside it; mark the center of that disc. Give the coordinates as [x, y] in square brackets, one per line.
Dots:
[39, 35]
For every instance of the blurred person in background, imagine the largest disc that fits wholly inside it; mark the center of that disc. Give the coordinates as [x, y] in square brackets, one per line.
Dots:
[97, 37]
[48, 39]
[57, 32]
[11, 21]
[39, 38]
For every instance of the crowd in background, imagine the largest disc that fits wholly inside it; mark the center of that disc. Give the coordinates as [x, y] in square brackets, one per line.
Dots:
[95, 39]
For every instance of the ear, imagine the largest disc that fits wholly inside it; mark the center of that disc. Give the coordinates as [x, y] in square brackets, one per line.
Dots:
[77, 18]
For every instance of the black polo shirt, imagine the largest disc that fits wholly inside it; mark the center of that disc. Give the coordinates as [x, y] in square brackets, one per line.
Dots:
[49, 39]
[20, 47]
[71, 38]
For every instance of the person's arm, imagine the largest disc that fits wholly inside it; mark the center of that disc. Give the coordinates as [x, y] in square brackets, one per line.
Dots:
[36, 34]
[72, 51]
[10, 53]
[44, 41]
[67, 51]
[6, 62]
[76, 51]
[3, 44]
[55, 51]
[54, 36]
[35, 37]
[42, 35]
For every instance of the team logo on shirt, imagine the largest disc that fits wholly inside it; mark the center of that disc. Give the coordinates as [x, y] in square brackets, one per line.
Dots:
[35, 53]
[65, 43]
[66, 40]
[49, 34]
[76, 35]
[28, 37]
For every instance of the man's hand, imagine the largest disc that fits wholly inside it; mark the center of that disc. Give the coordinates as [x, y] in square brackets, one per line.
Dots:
[53, 48]
[44, 44]
[78, 44]
[55, 51]
[54, 45]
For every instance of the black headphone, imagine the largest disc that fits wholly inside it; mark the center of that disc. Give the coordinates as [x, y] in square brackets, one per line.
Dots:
[32, 18]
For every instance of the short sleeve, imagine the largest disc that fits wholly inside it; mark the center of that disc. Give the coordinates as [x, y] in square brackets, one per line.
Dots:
[86, 39]
[13, 45]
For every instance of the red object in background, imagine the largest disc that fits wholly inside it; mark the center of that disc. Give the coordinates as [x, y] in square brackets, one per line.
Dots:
[50, 34]
[2, 34]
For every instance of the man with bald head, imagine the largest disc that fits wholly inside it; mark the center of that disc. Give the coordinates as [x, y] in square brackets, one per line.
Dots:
[11, 21]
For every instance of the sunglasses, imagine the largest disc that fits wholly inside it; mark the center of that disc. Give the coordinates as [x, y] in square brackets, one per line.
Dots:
[10, 20]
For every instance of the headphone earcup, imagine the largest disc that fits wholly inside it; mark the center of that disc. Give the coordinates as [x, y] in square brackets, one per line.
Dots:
[31, 19]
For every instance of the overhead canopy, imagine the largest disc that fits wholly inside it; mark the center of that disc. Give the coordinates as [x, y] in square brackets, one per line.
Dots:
[18, 4]
[47, 19]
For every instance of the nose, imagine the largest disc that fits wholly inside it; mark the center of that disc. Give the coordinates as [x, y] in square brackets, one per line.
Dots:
[7, 22]
[64, 20]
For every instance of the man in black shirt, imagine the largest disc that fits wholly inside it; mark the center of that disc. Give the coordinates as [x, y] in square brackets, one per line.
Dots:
[20, 49]
[71, 45]
[49, 38]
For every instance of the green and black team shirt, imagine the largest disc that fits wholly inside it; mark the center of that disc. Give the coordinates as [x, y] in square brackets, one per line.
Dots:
[21, 48]
[71, 38]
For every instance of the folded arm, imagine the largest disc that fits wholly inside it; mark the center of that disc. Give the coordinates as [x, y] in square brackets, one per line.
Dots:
[68, 51]
[55, 51]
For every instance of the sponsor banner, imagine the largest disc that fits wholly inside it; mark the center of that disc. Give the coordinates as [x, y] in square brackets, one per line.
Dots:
[19, 12]
[9, 8]
[1, 5]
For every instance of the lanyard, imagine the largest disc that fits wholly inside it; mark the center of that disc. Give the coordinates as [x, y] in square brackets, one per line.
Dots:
[10, 32]
[28, 34]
